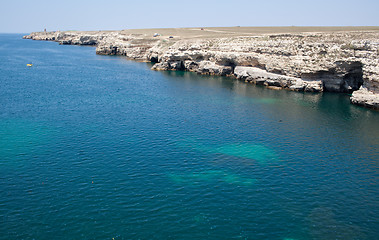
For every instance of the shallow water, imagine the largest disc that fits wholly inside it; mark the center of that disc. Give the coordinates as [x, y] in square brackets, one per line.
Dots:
[98, 147]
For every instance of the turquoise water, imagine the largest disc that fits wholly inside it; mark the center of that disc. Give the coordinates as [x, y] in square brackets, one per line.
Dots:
[98, 147]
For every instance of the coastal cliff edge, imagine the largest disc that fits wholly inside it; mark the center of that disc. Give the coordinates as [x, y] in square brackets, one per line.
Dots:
[344, 60]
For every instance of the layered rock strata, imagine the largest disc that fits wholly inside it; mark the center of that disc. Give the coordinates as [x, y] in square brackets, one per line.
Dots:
[342, 61]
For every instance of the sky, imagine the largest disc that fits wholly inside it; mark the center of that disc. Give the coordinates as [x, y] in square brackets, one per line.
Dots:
[20, 16]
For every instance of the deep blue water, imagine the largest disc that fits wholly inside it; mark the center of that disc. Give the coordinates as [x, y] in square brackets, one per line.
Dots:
[99, 147]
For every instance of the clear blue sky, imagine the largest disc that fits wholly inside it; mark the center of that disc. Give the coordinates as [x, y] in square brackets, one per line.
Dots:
[34, 15]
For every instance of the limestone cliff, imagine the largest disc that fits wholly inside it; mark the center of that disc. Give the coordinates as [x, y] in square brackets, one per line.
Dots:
[333, 61]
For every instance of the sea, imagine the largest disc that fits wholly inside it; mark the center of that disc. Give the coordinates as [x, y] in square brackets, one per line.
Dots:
[101, 147]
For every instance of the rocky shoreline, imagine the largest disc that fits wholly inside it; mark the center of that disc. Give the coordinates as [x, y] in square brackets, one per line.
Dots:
[342, 61]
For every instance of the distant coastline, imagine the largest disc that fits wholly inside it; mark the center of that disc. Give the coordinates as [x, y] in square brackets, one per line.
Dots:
[309, 59]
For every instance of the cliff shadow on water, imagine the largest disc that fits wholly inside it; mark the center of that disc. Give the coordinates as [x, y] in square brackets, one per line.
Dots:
[285, 106]
[261, 94]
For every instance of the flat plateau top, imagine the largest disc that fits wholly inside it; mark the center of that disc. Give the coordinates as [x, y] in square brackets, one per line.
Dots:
[214, 32]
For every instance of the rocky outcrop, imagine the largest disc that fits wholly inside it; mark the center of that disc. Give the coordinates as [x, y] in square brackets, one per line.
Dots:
[262, 77]
[346, 62]
[365, 98]
[344, 76]
[70, 37]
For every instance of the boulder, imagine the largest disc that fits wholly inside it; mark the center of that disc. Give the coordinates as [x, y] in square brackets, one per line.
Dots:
[366, 98]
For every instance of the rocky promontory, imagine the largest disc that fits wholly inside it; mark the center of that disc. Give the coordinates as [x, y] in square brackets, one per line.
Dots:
[344, 59]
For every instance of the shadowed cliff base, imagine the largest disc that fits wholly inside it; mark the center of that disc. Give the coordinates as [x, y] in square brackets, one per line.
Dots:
[309, 59]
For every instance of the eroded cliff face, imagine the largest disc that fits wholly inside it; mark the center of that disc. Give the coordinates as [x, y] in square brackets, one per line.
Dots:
[342, 61]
